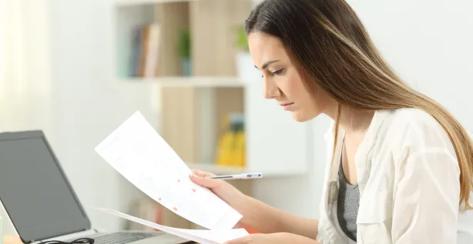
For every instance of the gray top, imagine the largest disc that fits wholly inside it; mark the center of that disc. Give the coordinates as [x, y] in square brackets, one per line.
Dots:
[347, 205]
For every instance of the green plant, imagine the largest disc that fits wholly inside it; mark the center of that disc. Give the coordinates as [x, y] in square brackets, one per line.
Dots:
[185, 43]
[241, 39]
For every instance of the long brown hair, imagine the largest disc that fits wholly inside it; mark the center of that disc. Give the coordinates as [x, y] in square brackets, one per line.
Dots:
[330, 45]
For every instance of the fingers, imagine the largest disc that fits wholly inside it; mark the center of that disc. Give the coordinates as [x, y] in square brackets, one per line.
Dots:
[202, 173]
[203, 178]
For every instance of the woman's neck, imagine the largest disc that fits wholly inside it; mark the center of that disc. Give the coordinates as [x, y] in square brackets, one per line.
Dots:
[352, 120]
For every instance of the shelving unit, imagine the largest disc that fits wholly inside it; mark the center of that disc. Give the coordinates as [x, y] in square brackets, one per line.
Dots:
[193, 108]
[193, 81]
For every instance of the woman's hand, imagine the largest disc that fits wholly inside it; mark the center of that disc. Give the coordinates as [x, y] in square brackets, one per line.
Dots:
[273, 238]
[222, 189]
[259, 215]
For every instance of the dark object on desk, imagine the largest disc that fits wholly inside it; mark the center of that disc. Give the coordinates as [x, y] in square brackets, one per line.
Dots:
[41, 202]
[76, 241]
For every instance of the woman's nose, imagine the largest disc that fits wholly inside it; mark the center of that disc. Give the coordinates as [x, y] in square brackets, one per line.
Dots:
[271, 91]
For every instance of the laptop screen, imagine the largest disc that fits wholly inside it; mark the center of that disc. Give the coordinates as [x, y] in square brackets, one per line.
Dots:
[35, 191]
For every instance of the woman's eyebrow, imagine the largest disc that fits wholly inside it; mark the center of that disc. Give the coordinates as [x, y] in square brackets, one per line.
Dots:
[265, 65]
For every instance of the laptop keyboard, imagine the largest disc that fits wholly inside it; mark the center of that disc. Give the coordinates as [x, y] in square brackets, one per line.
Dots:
[122, 237]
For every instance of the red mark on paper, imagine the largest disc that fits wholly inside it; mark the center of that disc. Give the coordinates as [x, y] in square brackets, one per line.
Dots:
[193, 189]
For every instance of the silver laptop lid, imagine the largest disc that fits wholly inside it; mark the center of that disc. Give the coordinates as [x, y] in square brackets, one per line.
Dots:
[34, 189]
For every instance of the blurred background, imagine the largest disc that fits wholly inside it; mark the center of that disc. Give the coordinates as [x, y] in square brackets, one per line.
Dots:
[77, 69]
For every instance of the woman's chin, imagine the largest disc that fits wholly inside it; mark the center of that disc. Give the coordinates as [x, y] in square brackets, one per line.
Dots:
[302, 117]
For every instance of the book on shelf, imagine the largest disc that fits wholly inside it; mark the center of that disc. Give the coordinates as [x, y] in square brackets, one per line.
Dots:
[145, 51]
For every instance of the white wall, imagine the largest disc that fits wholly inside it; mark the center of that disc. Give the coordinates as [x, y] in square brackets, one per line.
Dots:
[430, 44]
[89, 102]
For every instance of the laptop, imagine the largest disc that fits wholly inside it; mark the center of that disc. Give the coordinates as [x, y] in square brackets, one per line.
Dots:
[40, 201]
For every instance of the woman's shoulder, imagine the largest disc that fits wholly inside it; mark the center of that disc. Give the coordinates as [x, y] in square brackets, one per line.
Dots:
[411, 119]
[412, 126]
[410, 116]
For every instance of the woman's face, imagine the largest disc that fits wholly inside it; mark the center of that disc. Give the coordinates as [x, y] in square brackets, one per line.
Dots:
[282, 80]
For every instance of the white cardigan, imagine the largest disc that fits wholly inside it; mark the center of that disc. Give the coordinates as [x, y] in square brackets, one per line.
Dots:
[408, 176]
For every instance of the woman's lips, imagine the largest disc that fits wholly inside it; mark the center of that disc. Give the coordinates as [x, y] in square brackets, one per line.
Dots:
[287, 106]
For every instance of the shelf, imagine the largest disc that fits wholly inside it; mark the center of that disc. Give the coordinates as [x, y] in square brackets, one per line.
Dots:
[199, 81]
[124, 3]
[216, 169]
[219, 170]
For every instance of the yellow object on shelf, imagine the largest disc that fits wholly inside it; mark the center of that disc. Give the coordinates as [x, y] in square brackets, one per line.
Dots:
[239, 148]
[224, 150]
[231, 145]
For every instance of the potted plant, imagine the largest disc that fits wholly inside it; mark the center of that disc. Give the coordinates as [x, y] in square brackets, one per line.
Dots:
[185, 52]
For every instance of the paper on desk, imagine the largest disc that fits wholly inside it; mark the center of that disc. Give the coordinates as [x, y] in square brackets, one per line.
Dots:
[139, 153]
[200, 236]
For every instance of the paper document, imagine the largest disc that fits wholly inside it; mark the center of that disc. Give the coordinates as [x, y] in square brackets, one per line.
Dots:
[200, 236]
[142, 156]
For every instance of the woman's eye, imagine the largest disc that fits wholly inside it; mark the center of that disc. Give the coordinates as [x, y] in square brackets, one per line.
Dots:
[278, 72]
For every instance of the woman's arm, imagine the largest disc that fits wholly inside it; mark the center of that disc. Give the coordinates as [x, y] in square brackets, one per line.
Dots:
[426, 198]
[274, 238]
[256, 214]
[268, 219]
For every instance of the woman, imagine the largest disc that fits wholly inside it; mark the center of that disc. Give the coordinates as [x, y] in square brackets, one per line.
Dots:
[401, 166]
